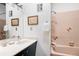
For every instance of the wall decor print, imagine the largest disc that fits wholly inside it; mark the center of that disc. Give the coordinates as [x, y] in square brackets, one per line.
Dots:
[32, 20]
[15, 22]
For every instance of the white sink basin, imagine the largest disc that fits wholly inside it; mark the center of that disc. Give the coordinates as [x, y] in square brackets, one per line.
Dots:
[7, 42]
[19, 41]
[22, 41]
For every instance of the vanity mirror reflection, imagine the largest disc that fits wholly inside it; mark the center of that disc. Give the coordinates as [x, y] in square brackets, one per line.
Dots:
[2, 20]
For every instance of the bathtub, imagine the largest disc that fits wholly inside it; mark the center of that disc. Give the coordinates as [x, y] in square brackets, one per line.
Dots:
[65, 50]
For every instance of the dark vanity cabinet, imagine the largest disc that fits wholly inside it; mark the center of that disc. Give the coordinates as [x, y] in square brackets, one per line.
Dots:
[29, 51]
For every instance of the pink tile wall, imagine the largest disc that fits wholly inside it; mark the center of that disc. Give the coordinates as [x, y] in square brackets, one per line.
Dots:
[65, 25]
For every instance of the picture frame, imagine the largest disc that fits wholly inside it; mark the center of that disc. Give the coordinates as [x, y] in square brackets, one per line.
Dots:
[33, 20]
[15, 22]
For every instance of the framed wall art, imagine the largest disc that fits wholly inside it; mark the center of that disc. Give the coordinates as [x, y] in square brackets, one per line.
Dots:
[15, 22]
[32, 20]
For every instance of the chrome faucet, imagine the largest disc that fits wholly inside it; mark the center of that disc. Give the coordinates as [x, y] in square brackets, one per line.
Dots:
[16, 36]
[53, 45]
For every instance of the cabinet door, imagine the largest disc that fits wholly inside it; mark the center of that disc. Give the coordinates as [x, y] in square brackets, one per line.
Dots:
[31, 50]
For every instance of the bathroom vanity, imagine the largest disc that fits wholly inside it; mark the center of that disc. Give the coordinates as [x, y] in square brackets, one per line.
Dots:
[23, 47]
[28, 51]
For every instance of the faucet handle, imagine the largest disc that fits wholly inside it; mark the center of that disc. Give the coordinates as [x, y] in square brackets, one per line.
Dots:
[53, 45]
[18, 37]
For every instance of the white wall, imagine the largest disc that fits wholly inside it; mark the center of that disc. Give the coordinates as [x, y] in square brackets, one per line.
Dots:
[29, 10]
[17, 13]
[43, 37]
[61, 7]
[43, 46]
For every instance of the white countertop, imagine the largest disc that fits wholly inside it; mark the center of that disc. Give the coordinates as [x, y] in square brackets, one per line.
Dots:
[13, 49]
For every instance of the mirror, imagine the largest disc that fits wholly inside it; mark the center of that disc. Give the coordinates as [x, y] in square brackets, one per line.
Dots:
[2, 20]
